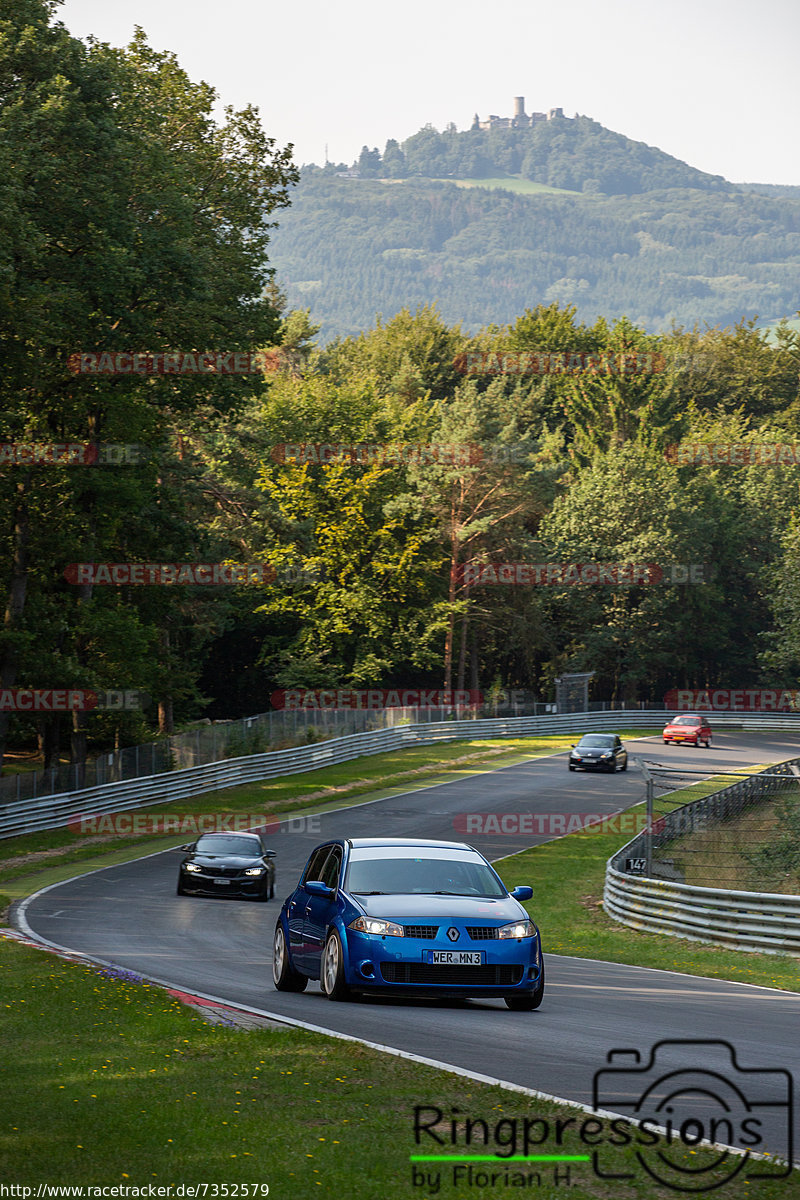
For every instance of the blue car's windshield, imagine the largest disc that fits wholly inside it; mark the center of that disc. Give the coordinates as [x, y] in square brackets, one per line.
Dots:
[420, 875]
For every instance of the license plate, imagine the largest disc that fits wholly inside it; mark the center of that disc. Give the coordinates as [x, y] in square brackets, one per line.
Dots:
[454, 958]
[222, 882]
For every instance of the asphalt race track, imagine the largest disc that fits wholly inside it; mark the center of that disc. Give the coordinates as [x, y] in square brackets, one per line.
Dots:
[129, 915]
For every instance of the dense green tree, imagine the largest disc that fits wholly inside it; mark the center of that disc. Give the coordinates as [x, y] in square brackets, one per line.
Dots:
[781, 655]
[134, 221]
[631, 506]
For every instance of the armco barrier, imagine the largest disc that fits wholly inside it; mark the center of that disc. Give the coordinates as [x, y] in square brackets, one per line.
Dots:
[768, 922]
[52, 812]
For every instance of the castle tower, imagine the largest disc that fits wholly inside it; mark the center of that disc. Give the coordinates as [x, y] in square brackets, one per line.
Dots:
[519, 106]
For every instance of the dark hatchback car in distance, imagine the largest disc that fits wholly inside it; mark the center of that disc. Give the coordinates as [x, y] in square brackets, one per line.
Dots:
[225, 864]
[598, 752]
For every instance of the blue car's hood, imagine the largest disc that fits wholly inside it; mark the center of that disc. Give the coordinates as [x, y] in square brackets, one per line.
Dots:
[440, 908]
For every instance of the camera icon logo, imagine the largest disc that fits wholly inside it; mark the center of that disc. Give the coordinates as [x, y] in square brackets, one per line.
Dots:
[692, 1092]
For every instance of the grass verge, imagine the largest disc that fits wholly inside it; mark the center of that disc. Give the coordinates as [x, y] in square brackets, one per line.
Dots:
[108, 1081]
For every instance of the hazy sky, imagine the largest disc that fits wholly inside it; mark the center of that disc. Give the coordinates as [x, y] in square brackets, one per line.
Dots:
[714, 82]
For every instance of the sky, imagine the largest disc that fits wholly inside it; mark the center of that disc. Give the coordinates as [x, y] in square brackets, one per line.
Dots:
[713, 82]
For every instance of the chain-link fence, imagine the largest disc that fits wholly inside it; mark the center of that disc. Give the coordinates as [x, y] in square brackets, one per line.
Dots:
[745, 837]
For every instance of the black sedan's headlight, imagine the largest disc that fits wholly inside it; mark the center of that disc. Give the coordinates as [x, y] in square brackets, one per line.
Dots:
[193, 867]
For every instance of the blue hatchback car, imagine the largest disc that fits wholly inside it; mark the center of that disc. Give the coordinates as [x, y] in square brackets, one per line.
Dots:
[390, 916]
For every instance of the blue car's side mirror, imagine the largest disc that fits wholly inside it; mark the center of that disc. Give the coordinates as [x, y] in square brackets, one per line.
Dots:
[523, 892]
[316, 888]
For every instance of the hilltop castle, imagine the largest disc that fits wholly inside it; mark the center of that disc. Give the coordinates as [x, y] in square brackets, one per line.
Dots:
[520, 119]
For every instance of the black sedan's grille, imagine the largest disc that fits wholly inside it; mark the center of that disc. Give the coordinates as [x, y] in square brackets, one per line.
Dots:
[444, 976]
[421, 931]
[222, 872]
[482, 933]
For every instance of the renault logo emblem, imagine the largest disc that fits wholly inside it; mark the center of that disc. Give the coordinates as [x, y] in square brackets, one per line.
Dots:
[452, 934]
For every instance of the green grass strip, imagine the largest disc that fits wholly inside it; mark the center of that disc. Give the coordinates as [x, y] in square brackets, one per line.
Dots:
[499, 1158]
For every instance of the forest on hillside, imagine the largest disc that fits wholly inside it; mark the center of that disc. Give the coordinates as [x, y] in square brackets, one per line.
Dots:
[350, 249]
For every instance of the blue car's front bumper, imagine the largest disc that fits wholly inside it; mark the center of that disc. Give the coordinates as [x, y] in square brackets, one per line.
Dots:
[393, 964]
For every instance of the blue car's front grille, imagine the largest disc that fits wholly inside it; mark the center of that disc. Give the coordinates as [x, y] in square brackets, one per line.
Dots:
[444, 976]
[421, 931]
[482, 933]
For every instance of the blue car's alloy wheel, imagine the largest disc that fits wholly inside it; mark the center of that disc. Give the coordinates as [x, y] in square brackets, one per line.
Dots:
[285, 977]
[333, 983]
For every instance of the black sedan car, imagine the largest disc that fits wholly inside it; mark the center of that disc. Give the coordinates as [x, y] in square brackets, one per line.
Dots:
[598, 752]
[227, 864]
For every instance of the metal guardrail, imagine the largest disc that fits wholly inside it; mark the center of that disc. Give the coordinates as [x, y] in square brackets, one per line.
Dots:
[767, 922]
[56, 811]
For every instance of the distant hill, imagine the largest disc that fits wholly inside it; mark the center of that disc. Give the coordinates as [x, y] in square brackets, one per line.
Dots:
[585, 217]
[577, 154]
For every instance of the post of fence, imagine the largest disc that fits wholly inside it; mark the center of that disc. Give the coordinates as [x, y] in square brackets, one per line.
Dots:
[648, 837]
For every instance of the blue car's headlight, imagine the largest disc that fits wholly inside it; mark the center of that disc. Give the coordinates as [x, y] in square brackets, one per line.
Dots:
[518, 929]
[373, 925]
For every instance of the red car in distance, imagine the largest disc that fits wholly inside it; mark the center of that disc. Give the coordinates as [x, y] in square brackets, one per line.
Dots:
[688, 727]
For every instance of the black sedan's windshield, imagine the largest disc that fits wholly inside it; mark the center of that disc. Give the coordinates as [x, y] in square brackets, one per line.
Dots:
[222, 843]
[597, 741]
[422, 876]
